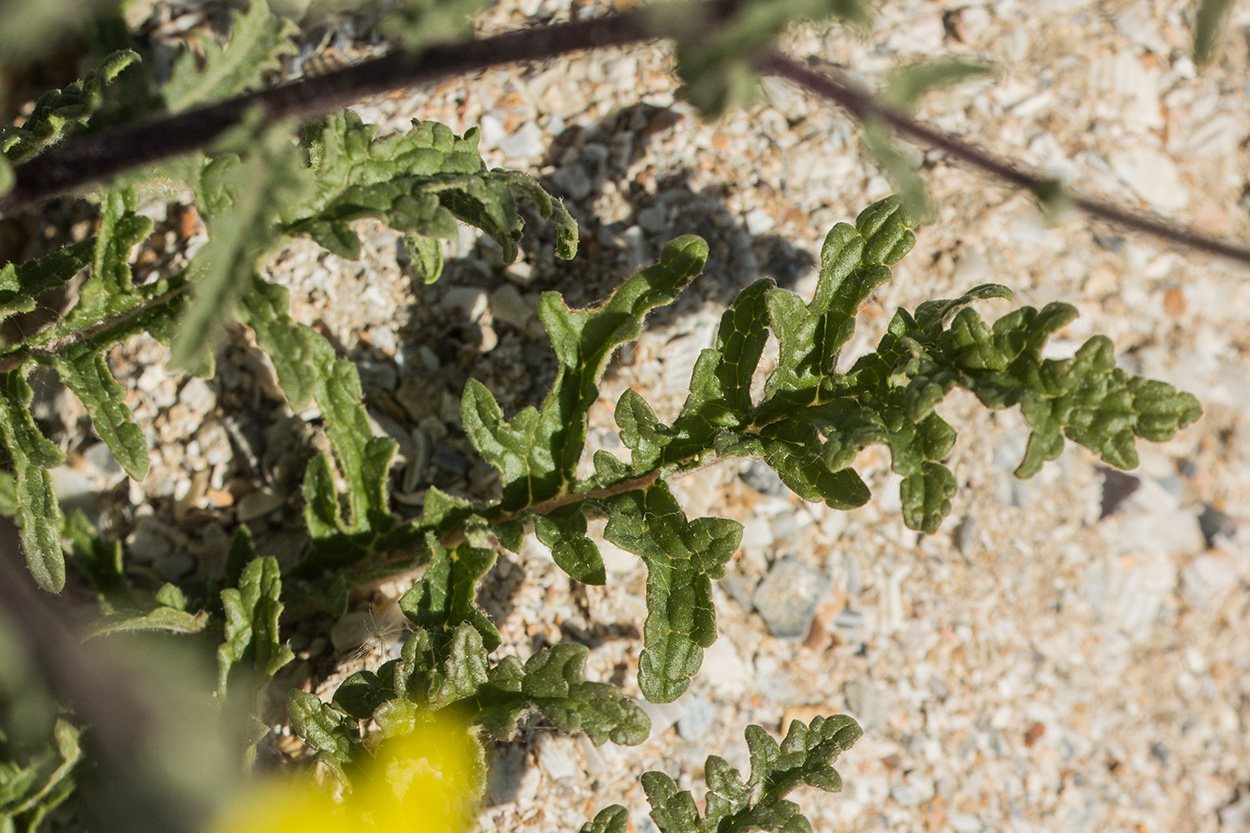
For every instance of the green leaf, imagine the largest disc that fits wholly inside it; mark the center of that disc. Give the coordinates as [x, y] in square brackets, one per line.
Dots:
[537, 452]
[926, 497]
[45, 782]
[716, 56]
[416, 23]
[720, 386]
[324, 728]
[39, 514]
[447, 593]
[435, 676]
[251, 613]
[564, 530]
[682, 558]
[292, 347]
[240, 194]
[1210, 19]
[21, 284]
[611, 819]
[162, 618]
[89, 377]
[552, 682]
[804, 758]
[907, 84]
[360, 694]
[426, 256]
[258, 40]
[420, 182]
[59, 113]
[101, 562]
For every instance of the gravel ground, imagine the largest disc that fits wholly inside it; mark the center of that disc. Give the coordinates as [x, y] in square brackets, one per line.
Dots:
[1069, 653]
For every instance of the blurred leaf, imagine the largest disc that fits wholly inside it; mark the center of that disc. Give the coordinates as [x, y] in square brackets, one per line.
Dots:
[907, 84]
[1210, 20]
[258, 40]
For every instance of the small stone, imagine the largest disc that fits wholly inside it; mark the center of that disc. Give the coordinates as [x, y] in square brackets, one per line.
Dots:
[259, 503]
[526, 142]
[378, 376]
[759, 221]
[507, 305]
[1153, 175]
[1117, 486]
[1236, 816]
[175, 566]
[448, 459]
[788, 596]
[197, 395]
[102, 461]
[966, 535]
[763, 479]
[1217, 526]
[471, 301]
[913, 793]
[520, 272]
[504, 777]
[572, 182]
[740, 588]
[864, 703]
[1209, 577]
[653, 218]
[663, 716]
[723, 669]
[697, 719]
[555, 756]
[151, 541]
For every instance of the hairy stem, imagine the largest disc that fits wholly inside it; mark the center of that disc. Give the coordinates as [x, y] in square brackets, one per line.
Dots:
[12, 361]
[95, 158]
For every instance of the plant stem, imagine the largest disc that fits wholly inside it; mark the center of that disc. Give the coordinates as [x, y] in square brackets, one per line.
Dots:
[45, 352]
[118, 721]
[97, 157]
[865, 106]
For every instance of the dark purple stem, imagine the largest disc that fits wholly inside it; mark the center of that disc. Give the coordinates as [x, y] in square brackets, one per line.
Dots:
[864, 106]
[97, 157]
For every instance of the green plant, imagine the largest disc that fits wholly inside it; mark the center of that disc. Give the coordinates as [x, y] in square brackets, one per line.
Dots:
[255, 190]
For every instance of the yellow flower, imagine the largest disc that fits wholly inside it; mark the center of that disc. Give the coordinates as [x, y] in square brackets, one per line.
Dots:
[425, 781]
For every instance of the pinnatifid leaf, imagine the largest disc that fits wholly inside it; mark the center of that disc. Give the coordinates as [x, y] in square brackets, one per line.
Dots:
[804, 758]
[611, 819]
[536, 453]
[324, 728]
[91, 380]
[564, 530]
[251, 622]
[421, 182]
[21, 283]
[39, 513]
[258, 40]
[552, 682]
[682, 558]
[59, 113]
[446, 596]
[293, 348]
[433, 671]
